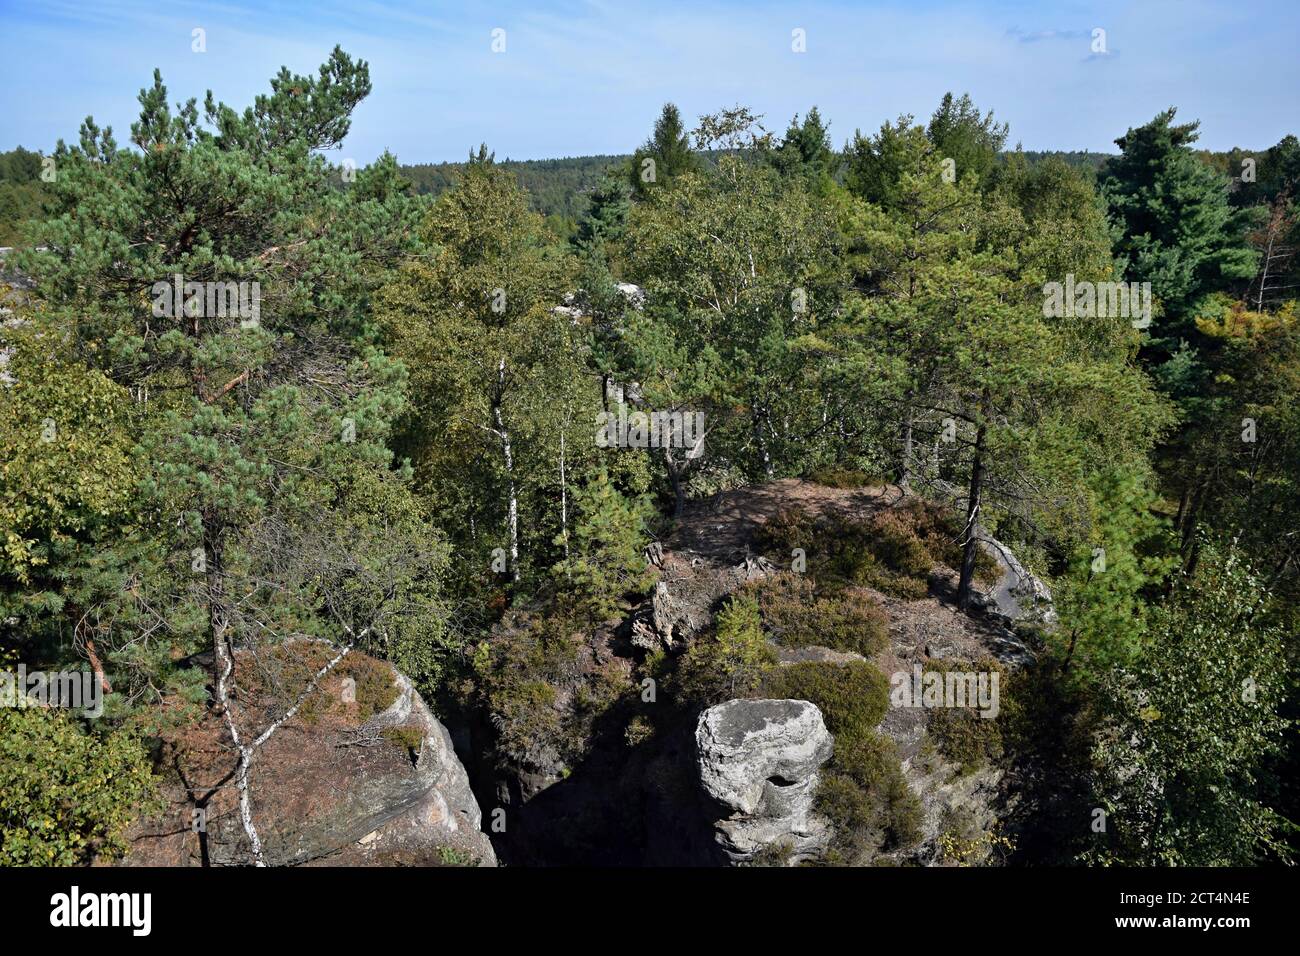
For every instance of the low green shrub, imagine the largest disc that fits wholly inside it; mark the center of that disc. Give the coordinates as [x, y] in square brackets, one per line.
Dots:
[842, 476]
[289, 669]
[960, 733]
[787, 529]
[865, 796]
[405, 737]
[774, 854]
[638, 731]
[862, 790]
[451, 856]
[376, 689]
[517, 675]
[731, 661]
[852, 697]
[794, 616]
[893, 550]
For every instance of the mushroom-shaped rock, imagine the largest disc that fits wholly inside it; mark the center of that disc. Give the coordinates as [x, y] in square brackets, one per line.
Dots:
[759, 762]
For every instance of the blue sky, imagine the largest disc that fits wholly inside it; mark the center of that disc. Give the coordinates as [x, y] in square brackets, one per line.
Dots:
[579, 78]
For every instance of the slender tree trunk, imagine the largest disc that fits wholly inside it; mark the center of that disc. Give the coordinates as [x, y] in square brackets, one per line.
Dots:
[218, 615]
[1183, 500]
[905, 466]
[512, 504]
[1263, 277]
[974, 501]
[1280, 569]
[1190, 522]
[764, 454]
[564, 500]
[512, 508]
[224, 668]
[1074, 637]
[675, 479]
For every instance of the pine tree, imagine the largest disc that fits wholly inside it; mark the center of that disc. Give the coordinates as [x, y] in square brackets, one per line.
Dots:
[970, 140]
[806, 151]
[1178, 232]
[1100, 599]
[606, 219]
[665, 155]
[951, 339]
[606, 560]
[257, 409]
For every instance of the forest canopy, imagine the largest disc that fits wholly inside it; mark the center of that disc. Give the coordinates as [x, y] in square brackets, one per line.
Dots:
[253, 397]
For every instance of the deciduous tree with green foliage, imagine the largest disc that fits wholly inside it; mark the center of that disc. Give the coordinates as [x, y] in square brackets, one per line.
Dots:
[1192, 726]
[496, 373]
[741, 272]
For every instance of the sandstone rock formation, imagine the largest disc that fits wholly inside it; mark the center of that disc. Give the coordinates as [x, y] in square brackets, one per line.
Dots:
[332, 789]
[1019, 596]
[440, 812]
[759, 762]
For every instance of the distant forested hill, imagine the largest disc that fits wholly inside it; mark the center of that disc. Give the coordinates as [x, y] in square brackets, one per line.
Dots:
[558, 188]
[1077, 159]
[21, 192]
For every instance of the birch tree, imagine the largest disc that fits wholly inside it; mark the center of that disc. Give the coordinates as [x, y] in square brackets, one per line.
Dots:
[491, 362]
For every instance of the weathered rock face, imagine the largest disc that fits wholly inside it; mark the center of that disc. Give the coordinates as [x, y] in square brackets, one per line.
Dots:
[687, 797]
[409, 815]
[685, 598]
[335, 789]
[759, 762]
[1019, 596]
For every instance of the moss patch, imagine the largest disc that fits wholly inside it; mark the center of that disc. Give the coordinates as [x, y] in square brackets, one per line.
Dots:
[405, 737]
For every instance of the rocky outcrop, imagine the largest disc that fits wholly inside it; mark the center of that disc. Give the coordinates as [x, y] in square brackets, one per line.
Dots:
[685, 598]
[759, 763]
[407, 815]
[960, 806]
[335, 788]
[573, 307]
[1018, 596]
[694, 794]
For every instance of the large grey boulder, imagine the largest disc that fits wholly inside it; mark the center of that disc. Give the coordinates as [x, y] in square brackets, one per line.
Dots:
[1018, 596]
[758, 764]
